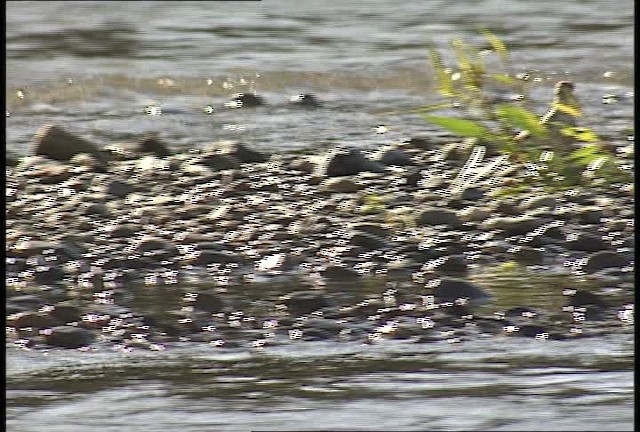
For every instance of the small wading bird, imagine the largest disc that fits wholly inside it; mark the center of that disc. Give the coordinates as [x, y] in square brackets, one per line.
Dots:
[563, 112]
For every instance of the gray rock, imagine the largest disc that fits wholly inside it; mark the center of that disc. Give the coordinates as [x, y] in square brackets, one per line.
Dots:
[56, 143]
[69, 337]
[393, 156]
[340, 162]
[518, 225]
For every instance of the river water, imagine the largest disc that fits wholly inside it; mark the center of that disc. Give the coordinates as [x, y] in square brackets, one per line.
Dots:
[95, 66]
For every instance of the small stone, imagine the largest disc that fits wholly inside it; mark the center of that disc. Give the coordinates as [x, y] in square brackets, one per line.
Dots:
[549, 202]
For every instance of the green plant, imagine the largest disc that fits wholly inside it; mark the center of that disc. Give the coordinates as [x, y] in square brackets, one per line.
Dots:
[544, 143]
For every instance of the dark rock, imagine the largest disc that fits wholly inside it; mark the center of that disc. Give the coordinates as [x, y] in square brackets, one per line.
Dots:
[339, 273]
[586, 298]
[455, 265]
[590, 215]
[34, 320]
[367, 241]
[69, 337]
[420, 143]
[46, 275]
[154, 146]
[208, 302]
[65, 313]
[435, 216]
[527, 255]
[471, 194]
[370, 228]
[56, 143]
[207, 257]
[340, 162]
[219, 162]
[119, 188]
[305, 101]
[606, 259]
[124, 230]
[246, 100]
[305, 302]
[586, 242]
[451, 289]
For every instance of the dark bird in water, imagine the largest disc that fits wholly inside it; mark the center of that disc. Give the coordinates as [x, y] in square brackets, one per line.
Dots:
[305, 100]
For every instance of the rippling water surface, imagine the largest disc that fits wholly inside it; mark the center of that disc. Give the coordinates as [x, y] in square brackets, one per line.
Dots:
[95, 66]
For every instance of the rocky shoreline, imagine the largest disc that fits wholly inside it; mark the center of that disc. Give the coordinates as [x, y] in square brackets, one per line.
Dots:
[91, 231]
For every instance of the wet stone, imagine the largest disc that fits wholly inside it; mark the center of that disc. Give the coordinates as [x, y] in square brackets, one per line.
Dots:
[606, 259]
[69, 337]
[586, 242]
[339, 273]
[527, 255]
[305, 302]
[451, 289]
[208, 302]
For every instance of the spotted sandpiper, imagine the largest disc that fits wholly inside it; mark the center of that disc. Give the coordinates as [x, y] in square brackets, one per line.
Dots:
[563, 112]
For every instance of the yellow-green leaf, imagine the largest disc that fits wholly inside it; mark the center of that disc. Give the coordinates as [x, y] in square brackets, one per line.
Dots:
[521, 118]
[466, 128]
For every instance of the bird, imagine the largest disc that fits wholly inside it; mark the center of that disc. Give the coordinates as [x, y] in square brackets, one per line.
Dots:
[562, 114]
